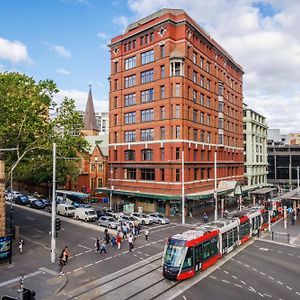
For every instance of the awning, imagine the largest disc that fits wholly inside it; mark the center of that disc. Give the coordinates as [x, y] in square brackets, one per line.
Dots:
[263, 191]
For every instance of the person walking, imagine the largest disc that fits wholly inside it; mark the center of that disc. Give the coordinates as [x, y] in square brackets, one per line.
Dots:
[146, 234]
[107, 237]
[21, 245]
[119, 240]
[66, 254]
[103, 247]
[138, 229]
[61, 265]
[113, 242]
[98, 244]
[205, 217]
[130, 241]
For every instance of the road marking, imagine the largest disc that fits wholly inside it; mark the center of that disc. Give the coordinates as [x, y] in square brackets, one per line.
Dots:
[233, 276]
[289, 254]
[49, 271]
[264, 249]
[40, 231]
[271, 277]
[146, 254]
[225, 272]
[252, 289]
[254, 269]
[289, 288]
[183, 297]
[238, 285]
[279, 282]
[298, 293]
[18, 278]
[107, 258]
[213, 277]
[9, 267]
[88, 251]
[243, 282]
[88, 265]
[261, 295]
[262, 273]
[247, 266]
[99, 261]
[78, 254]
[84, 247]
[267, 295]
[77, 269]
[69, 272]
[279, 251]
[225, 281]
[30, 218]
[239, 261]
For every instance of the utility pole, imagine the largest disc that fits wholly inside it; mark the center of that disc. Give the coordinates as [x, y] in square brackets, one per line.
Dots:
[182, 187]
[215, 189]
[285, 217]
[53, 235]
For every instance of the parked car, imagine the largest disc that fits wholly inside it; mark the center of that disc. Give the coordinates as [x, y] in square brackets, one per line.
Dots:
[38, 204]
[31, 198]
[159, 218]
[22, 200]
[47, 202]
[143, 218]
[65, 210]
[15, 194]
[100, 213]
[108, 222]
[128, 220]
[86, 214]
[37, 195]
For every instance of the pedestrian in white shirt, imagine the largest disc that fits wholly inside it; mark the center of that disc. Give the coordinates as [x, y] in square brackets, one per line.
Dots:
[130, 241]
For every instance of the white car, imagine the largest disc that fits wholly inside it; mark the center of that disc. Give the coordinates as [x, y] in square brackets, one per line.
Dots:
[159, 218]
[85, 214]
[143, 218]
[31, 198]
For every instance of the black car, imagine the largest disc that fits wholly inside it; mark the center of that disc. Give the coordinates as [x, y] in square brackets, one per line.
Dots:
[37, 204]
[100, 213]
[22, 200]
[46, 202]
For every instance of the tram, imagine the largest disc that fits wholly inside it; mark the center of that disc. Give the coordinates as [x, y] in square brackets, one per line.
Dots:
[194, 250]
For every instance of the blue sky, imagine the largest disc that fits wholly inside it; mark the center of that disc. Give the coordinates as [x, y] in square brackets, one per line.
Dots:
[65, 40]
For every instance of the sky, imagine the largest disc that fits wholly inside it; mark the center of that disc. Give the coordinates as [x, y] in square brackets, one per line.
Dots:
[66, 41]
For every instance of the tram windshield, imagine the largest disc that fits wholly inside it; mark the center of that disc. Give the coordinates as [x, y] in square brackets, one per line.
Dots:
[175, 253]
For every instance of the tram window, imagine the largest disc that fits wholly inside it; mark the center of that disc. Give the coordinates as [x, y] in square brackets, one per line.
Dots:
[244, 229]
[224, 240]
[188, 261]
[265, 217]
[198, 253]
[235, 232]
[213, 246]
[230, 238]
[206, 250]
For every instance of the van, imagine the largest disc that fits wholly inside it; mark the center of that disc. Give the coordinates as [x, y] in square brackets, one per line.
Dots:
[65, 210]
[86, 214]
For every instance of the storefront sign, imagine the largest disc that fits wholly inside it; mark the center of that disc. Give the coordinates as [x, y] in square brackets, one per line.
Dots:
[5, 248]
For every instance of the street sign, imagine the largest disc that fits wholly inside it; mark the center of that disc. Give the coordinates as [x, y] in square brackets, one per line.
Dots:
[5, 248]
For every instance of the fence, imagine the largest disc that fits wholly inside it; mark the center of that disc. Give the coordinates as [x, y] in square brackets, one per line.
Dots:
[281, 237]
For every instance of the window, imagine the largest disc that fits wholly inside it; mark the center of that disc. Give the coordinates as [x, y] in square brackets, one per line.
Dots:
[147, 95]
[130, 173]
[162, 112]
[148, 174]
[162, 174]
[208, 67]
[130, 81]
[208, 137]
[208, 102]
[177, 132]
[162, 92]
[147, 57]
[147, 76]
[221, 123]
[116, 137]
[195, 173]
[202, 81]
[162, 153]
[141, 40]
[177, 111]
[221, 106]
[177, 175]
[177, 153]
[116, 84]
[162, 133]
[125, 47]
[147, 154]
[130, 63]
[208, 84]
[195, 77]
[202, 99]
[116, 101]
[129, 136]
[116, 67]
[116, 117]
[194, 96]
[134, 44]
[202, 136]
[194, 115]
[195, 134]
[151, 36]
[129, 118]
[208, 120]
[129, 155]
[162, 71]
[177, 90]
[194, 57]
[221, 139]
[195, 154]
[147, 115]
[162, 51]
[129, 99]
[202, 118]
[201, 62]
[147, 134]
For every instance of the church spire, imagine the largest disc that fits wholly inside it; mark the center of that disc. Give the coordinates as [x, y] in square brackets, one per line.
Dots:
[89, 122]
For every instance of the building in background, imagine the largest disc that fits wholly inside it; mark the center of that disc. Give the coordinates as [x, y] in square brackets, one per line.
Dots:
[255, 148]
[102, 121]
[175, 99]
[283, 162]
[2, 199]
[275, 137]
[294, 138]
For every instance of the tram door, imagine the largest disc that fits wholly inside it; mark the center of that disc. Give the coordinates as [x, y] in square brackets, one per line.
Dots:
[198, 257]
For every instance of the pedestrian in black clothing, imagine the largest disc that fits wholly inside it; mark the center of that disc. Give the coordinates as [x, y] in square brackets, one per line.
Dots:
[98, 244]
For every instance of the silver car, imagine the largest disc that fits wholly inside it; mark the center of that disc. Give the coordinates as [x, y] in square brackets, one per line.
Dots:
[108, 222]
[159, 218]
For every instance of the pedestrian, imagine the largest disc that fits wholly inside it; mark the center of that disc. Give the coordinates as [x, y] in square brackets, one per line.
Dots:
[66, 254]
[21, 245]
[119, 239]
[107, 237]
[225, 213]
[293, 219]
[190, 212]
[124, 231]
[103, 247]
[205, 217]
[61, 265]
[133, 231]
[146, 234]
[130, 241]
[98, 244]
[138, 229]
[113, 242]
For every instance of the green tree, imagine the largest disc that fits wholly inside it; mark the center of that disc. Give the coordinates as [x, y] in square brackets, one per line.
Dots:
[26, 125]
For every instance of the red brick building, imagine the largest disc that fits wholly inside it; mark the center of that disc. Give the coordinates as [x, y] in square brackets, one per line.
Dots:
[173, 91]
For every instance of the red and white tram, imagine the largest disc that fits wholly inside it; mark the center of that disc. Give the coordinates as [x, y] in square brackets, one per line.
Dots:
[194, 250]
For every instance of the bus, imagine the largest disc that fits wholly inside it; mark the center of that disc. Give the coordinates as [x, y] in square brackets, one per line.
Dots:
[76, 197]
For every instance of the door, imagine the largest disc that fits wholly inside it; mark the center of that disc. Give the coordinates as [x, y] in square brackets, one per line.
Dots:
[198, 257]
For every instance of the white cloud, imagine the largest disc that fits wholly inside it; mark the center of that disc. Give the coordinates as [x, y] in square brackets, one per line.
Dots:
[14, 51]
[102, 35]
[263, 37]
[81, 99]
[63, 71]
[60, 50]
[122, 22]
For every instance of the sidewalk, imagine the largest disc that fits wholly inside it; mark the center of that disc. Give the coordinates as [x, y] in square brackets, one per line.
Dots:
[290, 235]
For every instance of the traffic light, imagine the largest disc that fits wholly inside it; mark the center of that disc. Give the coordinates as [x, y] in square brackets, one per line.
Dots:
[28, 294]
[57, 224]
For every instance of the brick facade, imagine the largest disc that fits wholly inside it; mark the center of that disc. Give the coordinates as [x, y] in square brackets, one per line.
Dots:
[173, 89]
